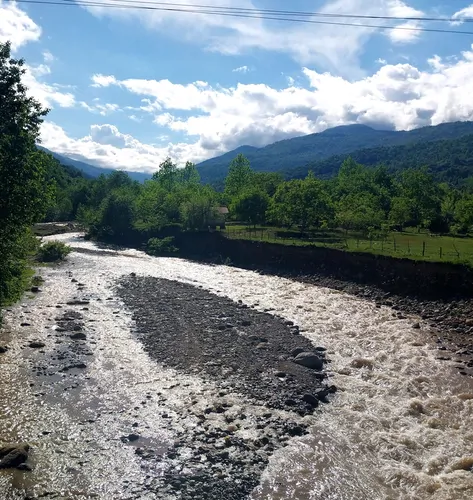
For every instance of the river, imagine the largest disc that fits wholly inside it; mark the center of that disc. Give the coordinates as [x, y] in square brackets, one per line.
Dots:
[399, 426]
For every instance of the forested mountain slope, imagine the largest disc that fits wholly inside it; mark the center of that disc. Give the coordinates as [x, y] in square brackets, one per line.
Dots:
[297, 153]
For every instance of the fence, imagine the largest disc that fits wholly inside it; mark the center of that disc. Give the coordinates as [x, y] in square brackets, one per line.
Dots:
[415, 246]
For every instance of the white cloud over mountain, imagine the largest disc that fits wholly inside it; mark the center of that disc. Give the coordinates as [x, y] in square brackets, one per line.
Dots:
[219, 119]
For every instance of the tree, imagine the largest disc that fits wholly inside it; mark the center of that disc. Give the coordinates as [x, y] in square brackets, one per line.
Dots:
[167, 175]
[251, 207]
[422, 195]
[360, 212]
[189, 175]
[239, 176]
[24, 193]
[199, 211]
[303, 203]
[266, 181]
[464, 214]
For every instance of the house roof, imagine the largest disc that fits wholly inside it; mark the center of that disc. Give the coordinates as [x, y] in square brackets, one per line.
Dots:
[222, 210]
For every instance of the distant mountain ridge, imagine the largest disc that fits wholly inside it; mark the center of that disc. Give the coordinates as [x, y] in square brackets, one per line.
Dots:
[92, 171]
[295, 155]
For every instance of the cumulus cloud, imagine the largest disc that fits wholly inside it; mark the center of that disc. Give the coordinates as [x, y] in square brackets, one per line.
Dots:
[398, 96]
[106, 146]
[335, 47]
[16, 26]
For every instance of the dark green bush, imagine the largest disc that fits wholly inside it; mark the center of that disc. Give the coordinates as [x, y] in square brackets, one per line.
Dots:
[53, 251]
[161, 246]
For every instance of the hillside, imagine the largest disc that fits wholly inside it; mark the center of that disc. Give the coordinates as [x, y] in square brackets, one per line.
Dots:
[449, 160]
[92, 171]
[295, 154]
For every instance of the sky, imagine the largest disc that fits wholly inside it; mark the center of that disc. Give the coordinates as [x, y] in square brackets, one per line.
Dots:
[127, 88]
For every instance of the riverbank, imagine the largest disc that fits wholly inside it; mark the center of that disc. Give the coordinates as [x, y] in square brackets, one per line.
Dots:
[440, 294]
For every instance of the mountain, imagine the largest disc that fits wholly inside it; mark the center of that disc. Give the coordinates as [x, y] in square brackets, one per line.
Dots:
[92, 171]
[297, 153]
[449, 160]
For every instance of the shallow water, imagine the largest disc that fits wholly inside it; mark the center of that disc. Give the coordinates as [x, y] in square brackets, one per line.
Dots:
[399, 427]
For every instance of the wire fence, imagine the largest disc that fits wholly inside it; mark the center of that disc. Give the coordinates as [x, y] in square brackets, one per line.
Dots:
[423, 247]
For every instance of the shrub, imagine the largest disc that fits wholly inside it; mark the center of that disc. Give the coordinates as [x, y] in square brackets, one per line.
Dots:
[161, 246]
[53, 251]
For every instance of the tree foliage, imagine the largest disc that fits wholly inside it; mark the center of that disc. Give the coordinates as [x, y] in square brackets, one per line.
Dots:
[24, 191]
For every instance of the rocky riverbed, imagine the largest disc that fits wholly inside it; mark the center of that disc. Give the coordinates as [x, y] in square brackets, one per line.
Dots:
[262, 383]
[133, 377]
[258, 355]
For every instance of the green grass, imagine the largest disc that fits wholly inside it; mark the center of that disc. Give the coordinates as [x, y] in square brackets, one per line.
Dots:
[408, 244]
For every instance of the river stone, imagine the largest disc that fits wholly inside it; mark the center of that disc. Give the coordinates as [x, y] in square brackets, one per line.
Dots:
[13, 455]
[3, 349]
[312, 400]
[35, 344]
[309, 360]
[35, 289]
[297, 351]
[78, 336]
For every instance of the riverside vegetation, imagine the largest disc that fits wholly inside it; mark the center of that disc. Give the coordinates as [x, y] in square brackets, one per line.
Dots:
[30, 179]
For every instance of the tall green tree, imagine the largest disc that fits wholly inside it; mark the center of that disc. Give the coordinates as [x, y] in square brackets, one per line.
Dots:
[251, 206]
[302, 203]
[24, 194]
[239, 176]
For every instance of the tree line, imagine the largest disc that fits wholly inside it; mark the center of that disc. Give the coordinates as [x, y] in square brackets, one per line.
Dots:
[362, 199]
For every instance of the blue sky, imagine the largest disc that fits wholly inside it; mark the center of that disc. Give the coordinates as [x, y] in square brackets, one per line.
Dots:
[128, 88]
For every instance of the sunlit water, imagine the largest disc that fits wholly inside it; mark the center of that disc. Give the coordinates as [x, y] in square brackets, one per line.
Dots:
[400, 426]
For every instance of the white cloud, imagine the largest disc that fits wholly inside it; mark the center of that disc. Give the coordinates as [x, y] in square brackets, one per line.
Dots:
[16, 26]
[101, 109]
[102, 81]
[48, 57]
[398, 96]
[49, 95]
[106, 146]
[241, 69]
[462, 14]
[405, 32]
[381, 61]
[335, 47]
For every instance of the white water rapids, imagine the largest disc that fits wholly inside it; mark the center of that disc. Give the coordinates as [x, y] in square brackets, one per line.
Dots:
[400, 426]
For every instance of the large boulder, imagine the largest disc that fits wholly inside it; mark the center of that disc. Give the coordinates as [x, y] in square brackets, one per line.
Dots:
[309, 360]
[13, 455]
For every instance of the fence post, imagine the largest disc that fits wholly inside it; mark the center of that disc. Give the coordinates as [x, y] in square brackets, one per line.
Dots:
[382, 245]
[423, 249]
[408, 247]
[394, 240]
[440, 252]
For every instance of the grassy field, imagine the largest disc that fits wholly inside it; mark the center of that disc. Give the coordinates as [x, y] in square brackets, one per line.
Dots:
[407, 244]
